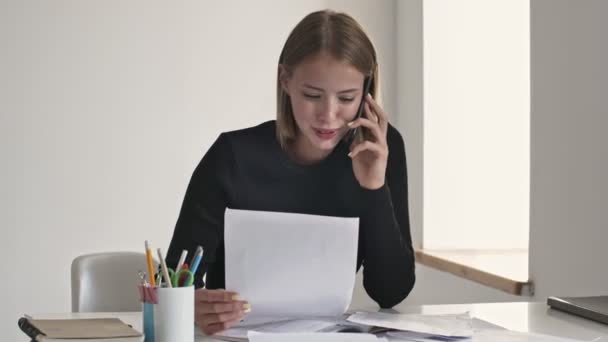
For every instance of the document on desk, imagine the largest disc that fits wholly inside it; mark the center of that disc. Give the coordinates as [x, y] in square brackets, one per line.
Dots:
[456, 325]
[291, 265]
[514, 336]
[240, 333]
[312, 337]
[410, 336]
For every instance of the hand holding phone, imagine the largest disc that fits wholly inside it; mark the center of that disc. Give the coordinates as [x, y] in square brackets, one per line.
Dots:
[370, 156]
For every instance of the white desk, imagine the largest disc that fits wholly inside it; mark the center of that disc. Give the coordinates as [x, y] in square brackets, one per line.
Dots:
[525, 317]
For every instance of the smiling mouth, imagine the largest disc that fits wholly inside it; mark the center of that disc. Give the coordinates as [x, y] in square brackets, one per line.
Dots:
[326, 134]
[325, 131]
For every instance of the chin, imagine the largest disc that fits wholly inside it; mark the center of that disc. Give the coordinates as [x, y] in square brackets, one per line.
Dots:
[322, 144]
[326, 145]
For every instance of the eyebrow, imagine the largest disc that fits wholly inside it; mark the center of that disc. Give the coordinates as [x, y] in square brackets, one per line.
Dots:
[320, 89]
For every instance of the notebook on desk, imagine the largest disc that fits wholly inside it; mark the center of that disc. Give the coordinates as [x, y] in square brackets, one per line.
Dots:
[106, 329]
[594, 308]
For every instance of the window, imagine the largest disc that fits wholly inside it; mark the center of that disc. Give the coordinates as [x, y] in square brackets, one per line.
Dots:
[476, 130]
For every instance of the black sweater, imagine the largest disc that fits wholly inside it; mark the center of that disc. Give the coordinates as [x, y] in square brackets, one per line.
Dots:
[247, 169]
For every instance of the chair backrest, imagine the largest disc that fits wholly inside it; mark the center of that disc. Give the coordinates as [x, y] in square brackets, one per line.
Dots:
[107, 282]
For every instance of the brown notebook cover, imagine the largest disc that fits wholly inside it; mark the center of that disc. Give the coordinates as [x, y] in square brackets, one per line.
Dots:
[83, 328]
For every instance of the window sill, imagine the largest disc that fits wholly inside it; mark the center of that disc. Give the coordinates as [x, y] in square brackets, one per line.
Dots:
[505, 270]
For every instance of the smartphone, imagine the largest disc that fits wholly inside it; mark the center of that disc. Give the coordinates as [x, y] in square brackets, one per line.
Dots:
[367, 82]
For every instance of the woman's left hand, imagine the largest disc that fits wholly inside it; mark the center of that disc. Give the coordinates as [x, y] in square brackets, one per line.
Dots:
[370, 156]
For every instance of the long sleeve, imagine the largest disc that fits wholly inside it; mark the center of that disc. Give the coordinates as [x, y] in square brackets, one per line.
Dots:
[201, 218]
[388, 261]
[248, 169]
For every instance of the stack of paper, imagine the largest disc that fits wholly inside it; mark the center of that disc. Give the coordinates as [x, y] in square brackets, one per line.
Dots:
[478, 336]
[313, 337]
[241, 332]
[411, 336]
[514, 336]
[458, 325]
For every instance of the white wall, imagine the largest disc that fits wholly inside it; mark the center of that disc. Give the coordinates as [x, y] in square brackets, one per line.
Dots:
[569, 187]
[410, 104]
[107, 106]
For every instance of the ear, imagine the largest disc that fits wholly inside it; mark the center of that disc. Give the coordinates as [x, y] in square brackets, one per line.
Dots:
[284, 77]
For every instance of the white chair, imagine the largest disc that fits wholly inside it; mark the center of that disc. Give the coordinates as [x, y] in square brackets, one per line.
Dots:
[107, 282]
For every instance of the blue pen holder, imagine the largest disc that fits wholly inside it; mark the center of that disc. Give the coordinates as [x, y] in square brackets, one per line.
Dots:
[148, 322]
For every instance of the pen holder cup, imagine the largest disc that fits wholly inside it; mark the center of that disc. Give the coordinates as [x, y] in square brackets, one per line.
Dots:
[174, 314]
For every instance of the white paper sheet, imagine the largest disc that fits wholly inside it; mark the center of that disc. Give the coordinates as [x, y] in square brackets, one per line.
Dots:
[514, 336]
[312, 337]
[239, 333]
[491, 335]
[291, 265]
[444, 325]
[409, 336]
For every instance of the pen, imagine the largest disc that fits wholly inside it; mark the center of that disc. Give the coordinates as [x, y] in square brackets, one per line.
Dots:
[163, 266]
[182, 259]
[196, 260]
[150, 264]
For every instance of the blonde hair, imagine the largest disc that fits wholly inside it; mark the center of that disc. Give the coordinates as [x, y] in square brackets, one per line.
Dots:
[337, 34]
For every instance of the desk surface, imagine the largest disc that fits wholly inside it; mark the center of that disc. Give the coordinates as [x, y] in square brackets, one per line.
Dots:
[525, 317]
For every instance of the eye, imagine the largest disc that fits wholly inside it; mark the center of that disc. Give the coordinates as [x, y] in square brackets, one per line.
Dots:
[347, 99]
[312, 96]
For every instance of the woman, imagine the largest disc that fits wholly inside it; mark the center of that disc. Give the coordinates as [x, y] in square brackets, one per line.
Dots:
[306, 162]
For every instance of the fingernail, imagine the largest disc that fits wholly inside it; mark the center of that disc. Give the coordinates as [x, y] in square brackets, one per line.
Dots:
[349, 124]
[236, 297]
[350, 154]
[246, 307]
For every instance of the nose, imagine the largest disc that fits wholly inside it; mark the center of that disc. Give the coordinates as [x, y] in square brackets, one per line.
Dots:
[328, 110]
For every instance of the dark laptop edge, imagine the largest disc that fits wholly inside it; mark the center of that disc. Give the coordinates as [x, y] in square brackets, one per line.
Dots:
[568, 307]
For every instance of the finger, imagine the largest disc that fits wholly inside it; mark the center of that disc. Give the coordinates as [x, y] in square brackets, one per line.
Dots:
[383, 117]
[217, 327]
[372, 126]
[382, 124]
[369, 146]
[221, 317]
[219, 307]
[369, 114]
[204, 295]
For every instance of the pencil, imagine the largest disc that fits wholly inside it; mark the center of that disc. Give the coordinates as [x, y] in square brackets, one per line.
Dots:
[150, 265]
